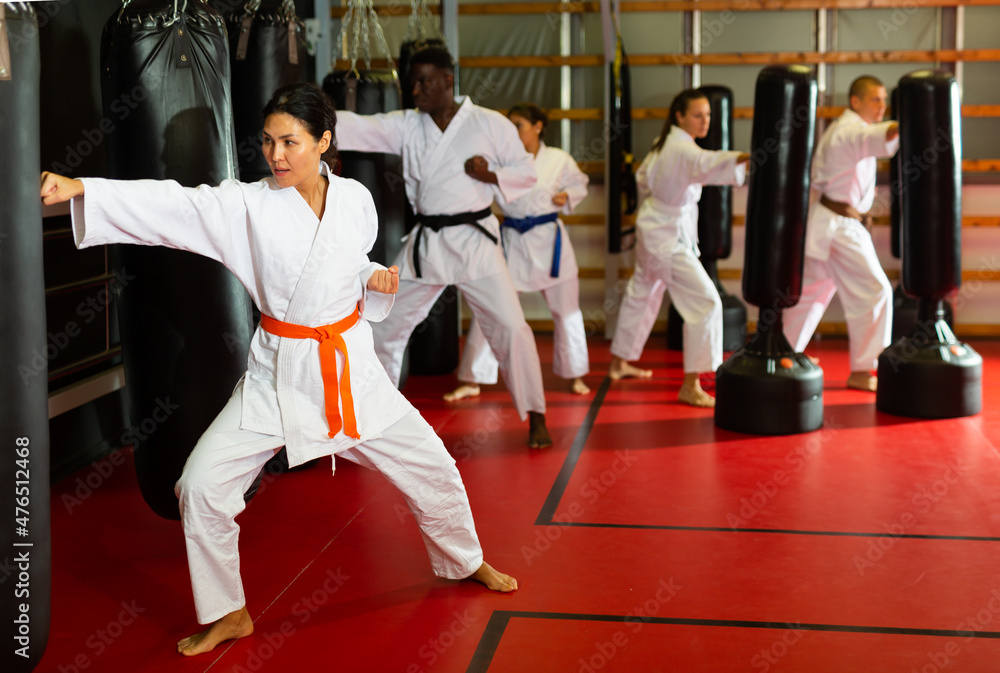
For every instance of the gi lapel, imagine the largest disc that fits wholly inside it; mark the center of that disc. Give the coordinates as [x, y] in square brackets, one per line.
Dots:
[301, 307]
[431, 163]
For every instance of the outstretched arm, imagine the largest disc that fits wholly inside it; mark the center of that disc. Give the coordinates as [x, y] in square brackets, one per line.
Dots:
[208, 221]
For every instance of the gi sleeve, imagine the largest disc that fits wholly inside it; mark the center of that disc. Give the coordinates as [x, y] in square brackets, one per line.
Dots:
[869, 140]
[208, 221]
[374, 306]
[515, 167]
[715, 167]
[574, 182]
[383, 132]
[642, 179]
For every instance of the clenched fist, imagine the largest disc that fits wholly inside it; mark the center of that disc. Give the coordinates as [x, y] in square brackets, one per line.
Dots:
[385, 281]
[478, 168]
[57, 188]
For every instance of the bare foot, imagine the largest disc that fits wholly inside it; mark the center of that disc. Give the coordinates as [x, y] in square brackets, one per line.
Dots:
[538, 434]
[461, 392]
[813, 360]
[578, 387]
[695, 396]
[493, 579]
[236, 624]
[863, 381]
[620, 369]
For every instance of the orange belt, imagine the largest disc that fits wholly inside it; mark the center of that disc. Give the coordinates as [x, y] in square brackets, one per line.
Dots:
[330, 342]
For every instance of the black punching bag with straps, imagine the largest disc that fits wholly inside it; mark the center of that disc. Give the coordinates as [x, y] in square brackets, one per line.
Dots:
[24, 417]
[185, 320]
[373, 92]
[715, 229]
[267, 50]
[765, 387]
[929, 373]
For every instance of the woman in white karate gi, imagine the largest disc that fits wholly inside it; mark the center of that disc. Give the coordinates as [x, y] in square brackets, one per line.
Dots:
[540, 259]
[669, 181]
[298, 243]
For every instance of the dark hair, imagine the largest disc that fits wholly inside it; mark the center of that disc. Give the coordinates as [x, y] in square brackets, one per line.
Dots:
[314, 110]
[531, 112]
[860, 85]
[437, 57]
[679, 106]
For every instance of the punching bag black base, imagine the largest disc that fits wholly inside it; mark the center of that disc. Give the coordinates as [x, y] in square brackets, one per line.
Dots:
[930, 374]
[734, 325]
[433, 347]
[905, 311]
[766, 388]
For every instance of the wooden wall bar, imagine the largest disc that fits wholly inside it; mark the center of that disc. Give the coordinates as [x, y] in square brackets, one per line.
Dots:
[493, 8]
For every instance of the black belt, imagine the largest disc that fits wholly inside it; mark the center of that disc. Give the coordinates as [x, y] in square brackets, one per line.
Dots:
[439, 222]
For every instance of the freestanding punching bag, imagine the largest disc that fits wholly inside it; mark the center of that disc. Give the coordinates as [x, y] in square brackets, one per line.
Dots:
[905, 309]
[715, 229]
[267, 50]
[24, 417]
[929, 373]
[766, 387]
[185, 320]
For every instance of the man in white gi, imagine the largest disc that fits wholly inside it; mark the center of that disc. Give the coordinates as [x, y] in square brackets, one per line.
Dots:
[457, 157]
[839, 250]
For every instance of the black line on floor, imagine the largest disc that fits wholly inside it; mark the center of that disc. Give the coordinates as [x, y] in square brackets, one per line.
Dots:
[498, 623]
[780, 531]
[489, 643]
[566, 472]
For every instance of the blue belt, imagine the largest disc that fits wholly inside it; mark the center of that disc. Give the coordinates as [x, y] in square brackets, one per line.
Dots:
[524, 224]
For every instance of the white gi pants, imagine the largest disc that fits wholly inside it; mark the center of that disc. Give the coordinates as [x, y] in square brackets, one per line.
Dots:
[693, 295]
[570, 357]
[496, 308]
[865, 293]
[226, 460]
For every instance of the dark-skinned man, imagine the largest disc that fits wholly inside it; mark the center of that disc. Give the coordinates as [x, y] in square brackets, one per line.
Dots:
[457, 157]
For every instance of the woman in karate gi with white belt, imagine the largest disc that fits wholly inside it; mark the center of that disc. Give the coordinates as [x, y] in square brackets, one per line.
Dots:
[298, 243]
[540, 259]
[669, 181]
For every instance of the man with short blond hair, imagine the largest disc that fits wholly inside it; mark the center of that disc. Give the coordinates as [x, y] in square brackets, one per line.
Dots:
[839, 251]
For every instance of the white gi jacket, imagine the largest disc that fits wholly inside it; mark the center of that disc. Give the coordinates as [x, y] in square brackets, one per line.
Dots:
[529, 255]
[669, 184]
[296, 268]
[843, 169]
[437, 184]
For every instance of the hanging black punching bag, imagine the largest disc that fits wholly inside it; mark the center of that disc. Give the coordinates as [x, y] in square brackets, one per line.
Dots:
[715, 229]
[929, 373]
[185, 320]
[373, 92]
[765, 387]
[24, 418]
[267, 50]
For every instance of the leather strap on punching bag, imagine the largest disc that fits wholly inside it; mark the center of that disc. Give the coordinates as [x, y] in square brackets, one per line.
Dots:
[267, 50]
[25, 543]
[185, 320]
